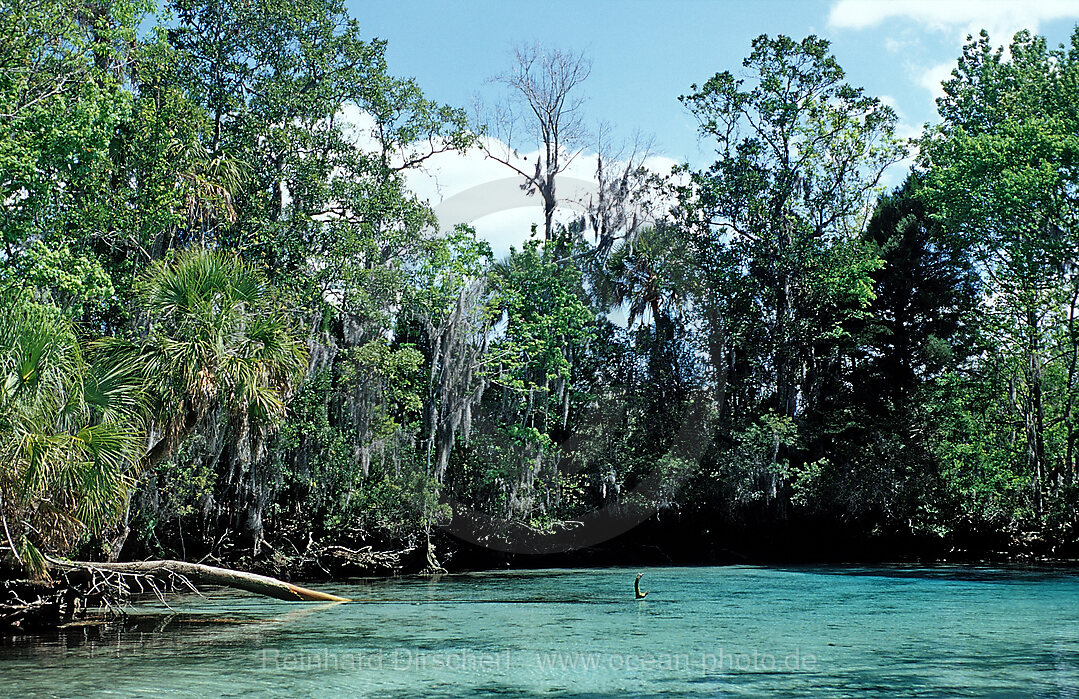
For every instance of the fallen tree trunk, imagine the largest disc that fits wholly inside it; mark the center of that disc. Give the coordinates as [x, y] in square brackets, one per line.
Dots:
[198, 573]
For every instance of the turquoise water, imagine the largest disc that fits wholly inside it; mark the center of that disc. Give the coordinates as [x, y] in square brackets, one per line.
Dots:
[730, 631]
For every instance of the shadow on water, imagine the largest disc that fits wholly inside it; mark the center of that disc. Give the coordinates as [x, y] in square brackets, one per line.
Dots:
[161, 628]
[1010, 574]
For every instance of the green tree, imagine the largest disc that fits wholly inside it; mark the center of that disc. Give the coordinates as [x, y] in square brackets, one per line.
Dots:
[70, 429]
[895, 390]
[293, 152]
[650, 276]
[538, 319]
[1001, 175]
[925, 296]
[800, 155]
[775, 225]
[220, 358]
[61, 75]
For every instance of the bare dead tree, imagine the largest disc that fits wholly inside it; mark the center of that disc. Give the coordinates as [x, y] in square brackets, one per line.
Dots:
[544, 107]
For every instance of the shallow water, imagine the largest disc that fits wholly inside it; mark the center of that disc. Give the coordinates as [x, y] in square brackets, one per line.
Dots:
[730, 631]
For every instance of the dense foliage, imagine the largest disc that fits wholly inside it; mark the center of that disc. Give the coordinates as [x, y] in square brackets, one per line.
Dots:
[230, 329]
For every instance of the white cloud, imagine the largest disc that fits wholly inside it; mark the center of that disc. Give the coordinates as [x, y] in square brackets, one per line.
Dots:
[897, 45]
[1001, 18]
[904, 129]
[932, 77]
[957, 18]
[472, 188]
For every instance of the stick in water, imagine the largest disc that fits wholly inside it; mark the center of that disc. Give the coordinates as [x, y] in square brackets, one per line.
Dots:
[637, 588]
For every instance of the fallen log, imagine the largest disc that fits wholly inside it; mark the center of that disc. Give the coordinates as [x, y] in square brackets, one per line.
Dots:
[199, 573]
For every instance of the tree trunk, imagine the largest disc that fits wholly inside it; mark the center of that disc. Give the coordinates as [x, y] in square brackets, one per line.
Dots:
[209, 575]
[1035, 418]
[786, 374]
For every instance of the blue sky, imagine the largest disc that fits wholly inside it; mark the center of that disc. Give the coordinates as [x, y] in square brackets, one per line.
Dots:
[645, 54]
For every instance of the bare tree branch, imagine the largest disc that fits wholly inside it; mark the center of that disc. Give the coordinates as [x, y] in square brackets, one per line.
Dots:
[543, 98]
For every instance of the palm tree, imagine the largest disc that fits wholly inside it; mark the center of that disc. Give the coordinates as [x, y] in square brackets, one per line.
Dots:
[217, 336]
[77, 424]
[209, 186]
[69, 433]
[649, 273]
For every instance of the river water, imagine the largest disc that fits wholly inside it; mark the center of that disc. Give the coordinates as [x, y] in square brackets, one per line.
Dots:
[726, 631]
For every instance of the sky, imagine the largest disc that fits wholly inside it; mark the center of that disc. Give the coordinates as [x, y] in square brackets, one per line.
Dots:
[645, 54]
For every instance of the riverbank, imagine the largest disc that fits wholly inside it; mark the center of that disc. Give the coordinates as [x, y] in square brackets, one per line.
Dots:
[690, 541]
